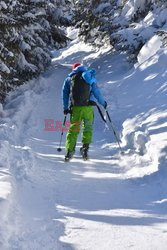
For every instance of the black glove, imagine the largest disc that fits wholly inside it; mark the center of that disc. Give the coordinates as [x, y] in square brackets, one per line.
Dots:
[66, 111]
[105, 105]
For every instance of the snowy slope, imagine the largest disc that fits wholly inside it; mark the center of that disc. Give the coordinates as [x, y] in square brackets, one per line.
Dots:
[110, 202]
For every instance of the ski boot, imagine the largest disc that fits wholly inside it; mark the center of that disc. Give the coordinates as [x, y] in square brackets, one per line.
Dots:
[69, 156]
[84, 152]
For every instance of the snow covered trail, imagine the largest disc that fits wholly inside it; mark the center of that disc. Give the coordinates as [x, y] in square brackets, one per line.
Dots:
[109, 202]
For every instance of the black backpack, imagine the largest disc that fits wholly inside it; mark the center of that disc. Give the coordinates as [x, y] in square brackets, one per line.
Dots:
[80, 90]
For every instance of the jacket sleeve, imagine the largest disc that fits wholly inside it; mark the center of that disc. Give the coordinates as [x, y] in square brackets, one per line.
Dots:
[97, 94]
[66, 93]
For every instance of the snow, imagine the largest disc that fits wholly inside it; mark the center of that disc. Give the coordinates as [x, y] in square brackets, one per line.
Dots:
[149, 19]
[103, 7]
[23, 64]
[25, 46]
[132, 6]
[149, 49]
[4, 68]
[162, 18]
[3, 5]
[110, 202]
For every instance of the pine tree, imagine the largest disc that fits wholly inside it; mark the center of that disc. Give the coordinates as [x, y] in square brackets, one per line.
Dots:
[120, 24]
[28, 30]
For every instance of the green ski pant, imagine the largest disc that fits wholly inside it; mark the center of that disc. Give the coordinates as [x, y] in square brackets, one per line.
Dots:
[81, 116]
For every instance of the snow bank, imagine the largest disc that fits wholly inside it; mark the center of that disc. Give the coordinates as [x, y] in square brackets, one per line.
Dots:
[16, 159]
[5, 190]
[144, 133]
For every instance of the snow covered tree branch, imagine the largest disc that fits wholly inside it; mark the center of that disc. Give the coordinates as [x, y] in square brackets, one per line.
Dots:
[28, 29]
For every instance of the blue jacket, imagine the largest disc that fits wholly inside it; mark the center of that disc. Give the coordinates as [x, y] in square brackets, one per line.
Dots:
[89, 76]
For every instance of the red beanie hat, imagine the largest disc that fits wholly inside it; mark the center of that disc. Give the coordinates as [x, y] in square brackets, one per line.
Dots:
[75, 65]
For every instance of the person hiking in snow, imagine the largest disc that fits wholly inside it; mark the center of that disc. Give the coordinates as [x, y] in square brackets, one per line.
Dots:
[80, 88]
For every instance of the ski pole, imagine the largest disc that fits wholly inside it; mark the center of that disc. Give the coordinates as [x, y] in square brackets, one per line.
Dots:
[61, 137]
[100, 112]
[109, 118]
[115, 134]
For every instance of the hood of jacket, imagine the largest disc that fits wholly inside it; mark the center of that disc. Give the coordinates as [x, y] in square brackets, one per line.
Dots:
[77, 69]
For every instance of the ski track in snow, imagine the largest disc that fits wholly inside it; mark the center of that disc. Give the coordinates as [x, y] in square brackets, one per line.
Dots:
[110, 202]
